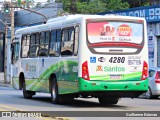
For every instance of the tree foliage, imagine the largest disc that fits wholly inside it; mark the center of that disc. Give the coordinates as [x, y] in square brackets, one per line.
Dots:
[39, 4]
[112, 5]
[146, 4]
[92, 6]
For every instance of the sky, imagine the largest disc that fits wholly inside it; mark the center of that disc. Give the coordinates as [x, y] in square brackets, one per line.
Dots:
[1, 1]
[34, 0]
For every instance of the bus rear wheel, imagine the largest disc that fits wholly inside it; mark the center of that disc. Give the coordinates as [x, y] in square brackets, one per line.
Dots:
[55, 98]
[108, 100]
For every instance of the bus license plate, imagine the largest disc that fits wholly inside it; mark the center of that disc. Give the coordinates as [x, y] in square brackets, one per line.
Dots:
[115, 77]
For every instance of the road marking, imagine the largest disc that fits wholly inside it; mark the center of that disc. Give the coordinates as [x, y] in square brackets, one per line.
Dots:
[3, 110]
[63, 118]
[9, 107]
[46, 118]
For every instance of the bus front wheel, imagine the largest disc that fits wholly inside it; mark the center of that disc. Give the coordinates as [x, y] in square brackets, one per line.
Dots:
[27, 94]
[108, 100]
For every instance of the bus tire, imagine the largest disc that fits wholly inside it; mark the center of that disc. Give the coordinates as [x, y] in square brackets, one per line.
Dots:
[108, 100]
[55, 98]
[27, 94]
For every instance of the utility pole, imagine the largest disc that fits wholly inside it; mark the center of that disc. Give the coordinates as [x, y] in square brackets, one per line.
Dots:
[7, 41]
[11, 40]
[12, 21]
[5, 55]
[8, 9]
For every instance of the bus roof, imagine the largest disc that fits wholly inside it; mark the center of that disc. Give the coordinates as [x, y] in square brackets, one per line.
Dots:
[59, 22]
[68, 17]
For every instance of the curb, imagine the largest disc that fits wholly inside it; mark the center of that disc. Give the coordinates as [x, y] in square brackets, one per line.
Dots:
[3, 84]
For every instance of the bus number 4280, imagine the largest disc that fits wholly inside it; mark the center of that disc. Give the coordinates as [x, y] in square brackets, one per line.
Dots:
[117, 60]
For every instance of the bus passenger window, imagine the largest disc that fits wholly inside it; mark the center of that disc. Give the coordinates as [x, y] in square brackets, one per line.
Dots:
[76, 40]
[34, 45]
[54, 43]
[44, 43]
[15, 52]
[25, 46]
[58, 43]
[67, 41]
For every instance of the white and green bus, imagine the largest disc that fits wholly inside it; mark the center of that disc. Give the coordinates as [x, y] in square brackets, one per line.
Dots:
[73, 56]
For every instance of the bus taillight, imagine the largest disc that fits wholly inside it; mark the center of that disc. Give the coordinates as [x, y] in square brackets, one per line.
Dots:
[144, 71]
[85, 73]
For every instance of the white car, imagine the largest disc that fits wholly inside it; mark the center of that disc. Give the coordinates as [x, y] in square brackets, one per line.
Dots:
[154, 83]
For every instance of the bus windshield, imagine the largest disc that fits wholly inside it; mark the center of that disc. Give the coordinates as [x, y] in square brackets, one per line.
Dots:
[128, 36]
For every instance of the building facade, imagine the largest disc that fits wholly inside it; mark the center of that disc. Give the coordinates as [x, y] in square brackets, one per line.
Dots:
[2, 42]
[152, 16]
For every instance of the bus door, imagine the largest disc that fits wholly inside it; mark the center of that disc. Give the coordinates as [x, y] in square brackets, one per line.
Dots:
[29, 60]
[15, 64]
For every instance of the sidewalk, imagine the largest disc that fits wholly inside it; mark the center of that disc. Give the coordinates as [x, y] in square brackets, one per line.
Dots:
[2, 82]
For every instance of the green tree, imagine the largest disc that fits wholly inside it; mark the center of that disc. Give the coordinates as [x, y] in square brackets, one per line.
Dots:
[92, 6]
[39, 4]
[112, 5]
[145, 4]
[24, 3]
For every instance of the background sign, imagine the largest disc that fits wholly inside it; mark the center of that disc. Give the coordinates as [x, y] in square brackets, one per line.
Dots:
[151, 48]
[151, 13]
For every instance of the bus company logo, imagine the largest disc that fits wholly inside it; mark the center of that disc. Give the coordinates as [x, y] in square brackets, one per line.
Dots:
[101, 59]
[114, 69]
[110, 69]
[99, 68]
[124, 30]
[92, 59]
[31, 68]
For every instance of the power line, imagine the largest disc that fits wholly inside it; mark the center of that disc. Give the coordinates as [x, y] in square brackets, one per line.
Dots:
[36, 11]
[37, 21]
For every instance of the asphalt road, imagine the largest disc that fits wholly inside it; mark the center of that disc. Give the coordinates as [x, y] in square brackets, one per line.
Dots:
[12, 100]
